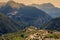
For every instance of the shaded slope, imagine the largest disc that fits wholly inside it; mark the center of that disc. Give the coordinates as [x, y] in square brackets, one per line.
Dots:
[31, 16]
[54, 24]
[7, 25]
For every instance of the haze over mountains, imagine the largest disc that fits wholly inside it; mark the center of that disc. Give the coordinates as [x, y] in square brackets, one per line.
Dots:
[49, 9]
[29, 2]
[22, 16]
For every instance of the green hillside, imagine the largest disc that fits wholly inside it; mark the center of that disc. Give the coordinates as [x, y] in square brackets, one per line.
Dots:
[54, 24]
[31, 33]
[7, 25]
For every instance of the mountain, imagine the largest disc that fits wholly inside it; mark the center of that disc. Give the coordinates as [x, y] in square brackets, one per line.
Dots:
[10, 6]
[49, 9]
[54, 24]
[31, 16]
[27, 15]
[7, 25]
[14, 4]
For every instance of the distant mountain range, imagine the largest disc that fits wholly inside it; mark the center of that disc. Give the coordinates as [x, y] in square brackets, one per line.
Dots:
[49, 9]
[28, 15]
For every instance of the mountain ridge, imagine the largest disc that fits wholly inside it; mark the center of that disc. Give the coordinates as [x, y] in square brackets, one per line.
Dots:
[49, 9]
[52, 24]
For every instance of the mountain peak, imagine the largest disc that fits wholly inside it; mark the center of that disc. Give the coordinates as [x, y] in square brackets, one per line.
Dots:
[13, 4]
[11, 1]
[44, 5]
[47, 5]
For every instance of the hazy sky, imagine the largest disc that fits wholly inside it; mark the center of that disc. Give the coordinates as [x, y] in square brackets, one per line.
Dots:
[28, 2]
